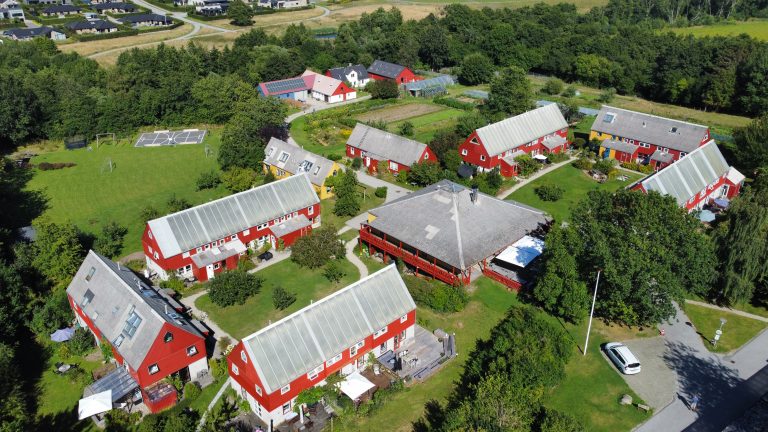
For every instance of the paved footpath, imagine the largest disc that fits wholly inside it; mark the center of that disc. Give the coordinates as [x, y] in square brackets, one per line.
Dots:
[522, 182]
[729, 310]
[354, 259]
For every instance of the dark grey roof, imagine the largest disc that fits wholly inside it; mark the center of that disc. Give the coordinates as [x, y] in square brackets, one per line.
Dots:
[651, 129]
[24, 33]
[91, 25]
[135, 19]
[386, 146]
[385, 69]
[438, 81]
[299, 160]
[114, 294]
[61, 8]
[660, 156]
[304, 340]
[442, 221]
[185, 230]
[117, 5]
[340, 73]
[620, 146]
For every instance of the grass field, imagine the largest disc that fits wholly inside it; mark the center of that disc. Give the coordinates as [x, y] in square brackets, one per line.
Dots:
[89, 196]
[258, 311]
[92, 47]
[756, 28]
[326, 208]
[576, 184]
[427, 125]
[737, 331]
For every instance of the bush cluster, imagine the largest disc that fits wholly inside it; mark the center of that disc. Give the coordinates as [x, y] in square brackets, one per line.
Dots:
[81, 343]
[192, 391]
[436, 295]
[381, 191]
[583, 164]
[557, 157]
[549, 192]
[208, 180]
[48, 166]
[605, 166]
[645, 169]
[233, 287]
[282, 298]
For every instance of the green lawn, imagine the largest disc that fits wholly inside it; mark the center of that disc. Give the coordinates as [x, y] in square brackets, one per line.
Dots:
[326, 207]
[426, 126]
[757, 28]
[576, 185]
[349, 235]
[89, 196]
[737, 330]
[258, 311]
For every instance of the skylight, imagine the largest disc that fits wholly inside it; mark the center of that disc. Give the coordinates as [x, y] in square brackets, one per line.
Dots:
[609, 118]
[87, 298]
[91, 272]
[284, 156]
[131, 324]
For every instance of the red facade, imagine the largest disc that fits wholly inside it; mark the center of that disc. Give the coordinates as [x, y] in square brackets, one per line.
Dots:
[406, 76]
[248, 378]
[473, 152]
[702, 197]
[372, 165]
[645, 150]
[183, 260]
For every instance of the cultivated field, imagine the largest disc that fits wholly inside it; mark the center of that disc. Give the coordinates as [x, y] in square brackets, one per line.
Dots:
[399, 112]
[92, 47]
[758, 29]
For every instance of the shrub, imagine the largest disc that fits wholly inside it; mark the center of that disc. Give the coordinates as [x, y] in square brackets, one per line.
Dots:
[553, 86]
[238, 179]
[317, 248]
[406, 129]
[605, 166]
[48, 166]
[148, 213]
[233, 287]
[549, 192]
[579, 142]
[381, 192]
[454, 103]
[333, 272]
[64, 352]
[52, 315]
[382, 89]
[645, 169]
[607, 95]
[81, 342]
[557, 157]
[583, 164]
[569, 91]
[176, 204]
[192, 391]
[357, 163]
[269, 177]
[281, 298]
[106, 349]
[110, 241]
[334, 157]
[173, 283]
[208, 180]
[436, 295]
[219, 368]
[527, 165]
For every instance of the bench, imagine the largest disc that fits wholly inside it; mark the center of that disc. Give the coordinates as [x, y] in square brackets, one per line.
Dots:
[642, 407]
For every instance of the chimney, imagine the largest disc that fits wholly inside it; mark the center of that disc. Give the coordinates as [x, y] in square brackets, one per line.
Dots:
[474, 195]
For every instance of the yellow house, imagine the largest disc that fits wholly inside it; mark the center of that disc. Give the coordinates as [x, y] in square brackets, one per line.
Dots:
[284, 160]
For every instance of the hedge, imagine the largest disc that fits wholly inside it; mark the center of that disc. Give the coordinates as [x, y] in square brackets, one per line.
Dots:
[454, 103]
[645, 169]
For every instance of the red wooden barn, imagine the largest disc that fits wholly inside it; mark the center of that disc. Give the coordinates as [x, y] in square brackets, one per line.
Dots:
[381, 70]
[539, 131]
[374, 145]
[204, 240]
[449, 232]
[701, 178]
[630, 136]
[150, 337]
[335, 334]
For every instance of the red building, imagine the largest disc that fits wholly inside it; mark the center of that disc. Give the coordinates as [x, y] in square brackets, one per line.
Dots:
[335, 334]
[451, 233]
[373, 146]
[149, 336]
[204, 240]
[702, 178]
[630, 136]
[381, 70]
[540, 131]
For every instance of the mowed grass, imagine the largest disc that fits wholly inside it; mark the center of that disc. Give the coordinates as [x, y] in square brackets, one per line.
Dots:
[576, 185]
[427, 125]
[258, 311]
[367, 201]
[737, 331]
[757, 29]
[90, 196]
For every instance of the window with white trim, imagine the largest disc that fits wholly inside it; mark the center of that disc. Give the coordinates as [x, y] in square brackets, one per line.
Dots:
[380, 332]
[149, 233]
[270, 151]
[311, 210]
[235, 369]
[314, 373]
[284, 156]
[198, 250]
[285, 389]
[353, 349]
[463, 152]
[156, 255]
[153, 369]
[191, 350]
[393, 165]
[404, 318]
[262, 226]
[426, 156]
[335, 359]
[243, 357]
[352, 150]
[92, 271]
[683, 154]
[185, 255]
[482, 157]
[258, 389]
[287, 408]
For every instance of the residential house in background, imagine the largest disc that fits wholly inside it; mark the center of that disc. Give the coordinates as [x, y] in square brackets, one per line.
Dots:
[696, 180]
[374, 145]
[536, 132]
[93, 26]
[355, 75]
[115, 8]
[46, 2]
[454, 234]
[25, 34]
[381, 70]
[207, 239]
[284, 160]
[150, 338]
[147, 20]
[335, 334]
[630, 136]
[205, 7]
[60, 10]
[327, 89]
[11, 10]
[282, 4]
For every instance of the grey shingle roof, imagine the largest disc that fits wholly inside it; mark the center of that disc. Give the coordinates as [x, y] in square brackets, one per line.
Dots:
[340, 73]
[24, 33]
[386, 146]
[91, 25]
[674, 134]
[300, 342]
[660, 156]
[114, 292]
[620, 146]
[690, 175]
[116, 5]
[299, 160]
[135, 19]
[442, 221]
[385, 69]
[524, 128]
[61, 8]
[185, 230]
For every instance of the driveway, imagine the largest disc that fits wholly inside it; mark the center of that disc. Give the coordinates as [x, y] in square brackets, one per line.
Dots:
[656, 384]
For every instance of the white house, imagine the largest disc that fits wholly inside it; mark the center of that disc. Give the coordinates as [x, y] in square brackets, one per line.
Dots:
[355, 75]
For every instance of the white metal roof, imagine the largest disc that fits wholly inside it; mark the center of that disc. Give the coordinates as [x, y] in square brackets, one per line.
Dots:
[689, 175]
[299, 343]
[524, 128]
[355, 385]
[386, 145]
[185, 230]
[522, 252]
[734, 176]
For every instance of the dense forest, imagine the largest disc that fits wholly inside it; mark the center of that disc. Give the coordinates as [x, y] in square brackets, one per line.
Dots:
[54, 95]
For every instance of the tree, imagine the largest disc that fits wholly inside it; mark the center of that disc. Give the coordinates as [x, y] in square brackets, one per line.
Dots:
[110, 242]
[560, 289]
[216, 96]
[317, 248]
[526, 165]
[406, 129]
[549, 192]
[556, 421]
[751, 144]
[424, 173]
[58, 252]
[14, 414]
[281, 298]
[244, 136]
[240, 13]
[233, 287]
[238, 179]
[333, 272]
[470, 122]
[148, 213]
[209, 180]
[475, 69]
[510, 93]
[347, 197]
[176, 204]
[553, 86]
[382, 89]
[445, 142]
[752, 82]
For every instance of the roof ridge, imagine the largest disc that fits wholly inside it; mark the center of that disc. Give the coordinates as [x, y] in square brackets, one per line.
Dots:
[697, 150]
[655, 116]
[458, 229]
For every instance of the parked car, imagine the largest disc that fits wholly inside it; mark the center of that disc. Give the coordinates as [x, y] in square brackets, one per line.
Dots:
[266, 256]
[623, 358]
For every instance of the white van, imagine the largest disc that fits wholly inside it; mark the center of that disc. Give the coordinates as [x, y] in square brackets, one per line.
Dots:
[623, 358]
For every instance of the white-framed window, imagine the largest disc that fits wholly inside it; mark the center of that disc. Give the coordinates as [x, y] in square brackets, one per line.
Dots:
[132, 323]
[426, 156]
[287, 407]
[148, 247]
[185, 255]
[216, 266]
[235, 369]
[474, 141]
[393, 165]
[262, 226]
[335, 359]
[221, 242]
[314, 373]
[280, 173]
[380, 332]
[243, 357]
[311, 210]
[191, 350]
[156, 255]
[153, 369]
[673, 129]
[353, 349]
[149, 233]
[404, 318]
[168, 337]
[258, 389]
[285, 389]
[464, 152]
[482, 157]
[118, 340]
[352, 150]
[645, 145]
[198, 250]
[683, 154]
[246, 232]
[284, 156]
[270, 151]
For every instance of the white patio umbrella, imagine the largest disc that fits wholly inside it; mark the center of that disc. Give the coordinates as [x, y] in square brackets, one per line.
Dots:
[95, 404]
[355, 385]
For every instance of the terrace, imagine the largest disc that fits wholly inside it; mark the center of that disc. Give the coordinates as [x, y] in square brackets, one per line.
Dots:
[419, 357]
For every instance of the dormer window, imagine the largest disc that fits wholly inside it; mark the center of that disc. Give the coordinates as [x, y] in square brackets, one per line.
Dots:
[132, 324]
[284, 156]
[168, 337]
[90, 274]
[270, 151]
[673, 130]
[317, 170]
[118, 340]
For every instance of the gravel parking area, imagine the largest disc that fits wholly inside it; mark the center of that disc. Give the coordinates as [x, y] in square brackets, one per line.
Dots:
[656, 384]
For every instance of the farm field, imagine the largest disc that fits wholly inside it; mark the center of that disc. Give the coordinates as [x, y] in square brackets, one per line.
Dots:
[757, 28]
[576, 184]
[736, 332]
[92, 47]
[89, 196]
